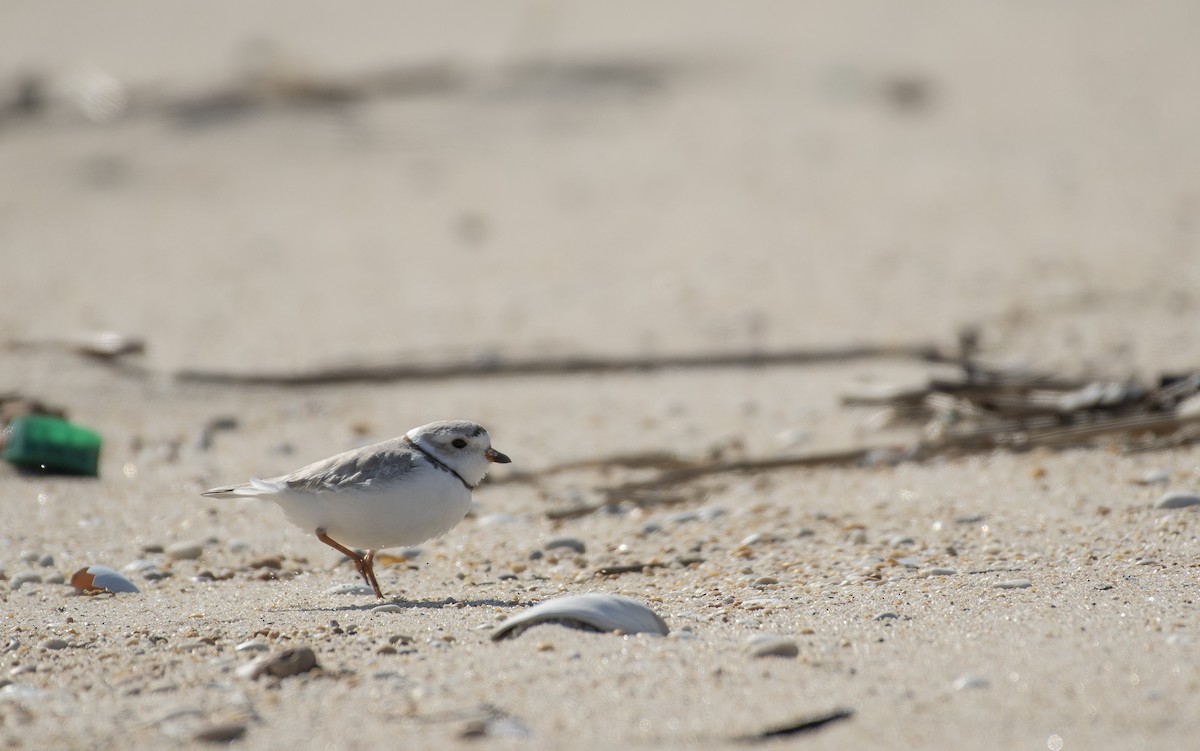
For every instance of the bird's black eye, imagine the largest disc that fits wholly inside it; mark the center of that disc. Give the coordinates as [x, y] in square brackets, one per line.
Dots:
[458, 443]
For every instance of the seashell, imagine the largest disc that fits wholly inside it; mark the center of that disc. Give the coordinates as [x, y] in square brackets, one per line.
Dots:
[101, 579]
[593, 612]
[289, 662]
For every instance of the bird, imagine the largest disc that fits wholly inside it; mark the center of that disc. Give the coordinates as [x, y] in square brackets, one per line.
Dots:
[398, 492]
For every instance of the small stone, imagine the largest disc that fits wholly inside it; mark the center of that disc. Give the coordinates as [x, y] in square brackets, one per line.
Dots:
[225, 732]
[184, 551]
[756, 538]
[386, 649]
[573, 543]
[350, 589]
[54, 644]
[681, 517]
[252, 646]
[793, 437]
[139, 566]
[238, 545]
[938, 571]
[271, 562]
[28, 556]
[901, 540]
[767, 645]
[55, 578]
[26, 577]
[496, 519]
[760, 603]
[887, 617]
[970, 681]
[765, 580]
[389, 608]
[1013, 584]
[536, 555]
[152, 548]
[1155, 477]
[857, 537]
[22, 670]
[1178, 500]
[46, 561]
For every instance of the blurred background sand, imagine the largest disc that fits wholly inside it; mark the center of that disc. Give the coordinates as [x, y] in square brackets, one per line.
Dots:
[282, 185]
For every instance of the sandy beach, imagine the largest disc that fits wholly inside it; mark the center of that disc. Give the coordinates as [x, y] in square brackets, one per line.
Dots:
[290, 187]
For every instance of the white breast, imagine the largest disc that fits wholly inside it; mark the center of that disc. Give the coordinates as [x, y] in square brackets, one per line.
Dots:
[425, 503]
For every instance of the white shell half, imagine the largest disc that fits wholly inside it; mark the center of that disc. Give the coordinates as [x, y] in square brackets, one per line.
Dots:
[594, 612]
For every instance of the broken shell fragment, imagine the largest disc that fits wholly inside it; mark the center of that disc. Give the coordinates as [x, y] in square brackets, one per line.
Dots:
[593, 612]
[289, 662]
[101, 579]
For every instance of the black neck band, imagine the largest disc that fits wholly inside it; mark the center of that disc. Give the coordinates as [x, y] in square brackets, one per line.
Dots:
[439, 463]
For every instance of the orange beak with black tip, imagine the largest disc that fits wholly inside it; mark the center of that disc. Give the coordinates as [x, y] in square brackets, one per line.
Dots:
[495, 456]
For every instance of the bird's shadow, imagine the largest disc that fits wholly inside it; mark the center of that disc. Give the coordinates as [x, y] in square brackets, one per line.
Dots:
[406, 605]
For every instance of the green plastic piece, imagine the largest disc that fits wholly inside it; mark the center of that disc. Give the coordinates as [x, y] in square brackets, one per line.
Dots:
[52, 445]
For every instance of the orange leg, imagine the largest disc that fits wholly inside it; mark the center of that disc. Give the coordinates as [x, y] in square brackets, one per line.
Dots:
[365, 564]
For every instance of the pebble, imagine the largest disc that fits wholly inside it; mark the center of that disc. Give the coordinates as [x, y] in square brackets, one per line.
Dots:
[938, 571]
[573, 543]
[151, 548]
[970, 681]
[350, 589]
[26, 577]
[681, 517]
[1178, 500]
[496, 519]
[1155, 477]
[389, 608]
[758, 603]
[55, 578]
[758, 537]
[28, 556]
[899, 540]
[139, 566]
[184, 551]
[252, 646]
[857, 537]
[793, 437]
[280, 665]
[270, 561]
[887, 617]
[765, 580]
[767, 645]
[1013, 584]
[238, 545]
[54, 644]
[46, 561]
[225, 732]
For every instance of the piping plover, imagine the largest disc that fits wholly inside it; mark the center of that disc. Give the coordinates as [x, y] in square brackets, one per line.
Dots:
[398, 492]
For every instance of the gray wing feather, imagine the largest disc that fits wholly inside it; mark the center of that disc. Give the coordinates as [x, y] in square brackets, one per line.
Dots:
[377, 464]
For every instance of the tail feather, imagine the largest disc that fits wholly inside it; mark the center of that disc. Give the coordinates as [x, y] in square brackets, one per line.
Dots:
[245, 490]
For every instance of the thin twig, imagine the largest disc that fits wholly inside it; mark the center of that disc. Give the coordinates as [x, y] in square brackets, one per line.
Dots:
[497, 366]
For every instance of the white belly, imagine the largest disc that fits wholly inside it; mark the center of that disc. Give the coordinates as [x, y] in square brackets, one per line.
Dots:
[426, 504]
